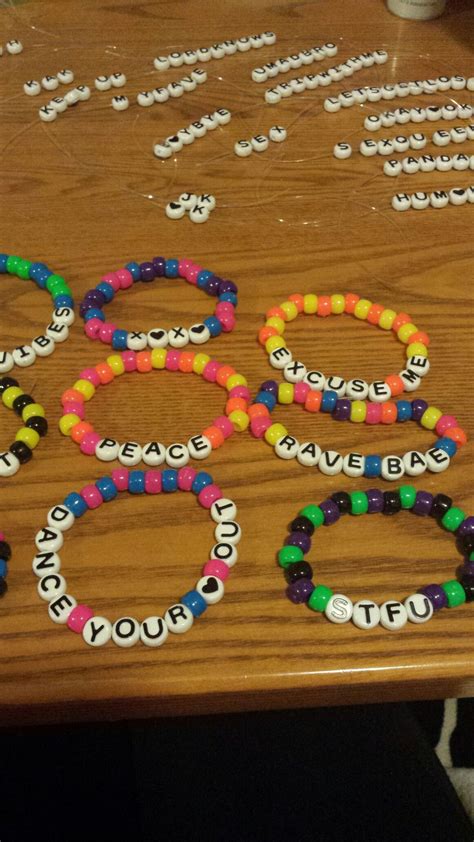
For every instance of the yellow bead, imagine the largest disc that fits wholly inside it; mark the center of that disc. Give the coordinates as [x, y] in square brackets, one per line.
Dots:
[406, 331]
[116, 363]
[32, 410]
[290, 309]
[417, 349]
[10, 395]
[235, 380]
[158, 357]
[67, 422]
[277, 323]
[310, 303]
[430, 417]
[358, 411]
[85, 388]
[199, 363]
[338, 304]
[275, 432]
[286, 393]
[361, 310]
[387, 319]
[239, 419]
[28, 436]
[273, 343]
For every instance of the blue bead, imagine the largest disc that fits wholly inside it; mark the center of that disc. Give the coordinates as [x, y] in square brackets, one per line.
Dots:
[136, 482]
[119, 340]
[41, 277]
[94, 313]
[195, 602]
[171, 268]
[107, 290]
[403, 410]
[213, 325]
[204, 276]
[107, 488]
[229, 296]
[76, 504]
[200, 481]
[373, 466]
[329, 401]
[36, 269]
[134, 270]
[448, 445]
[4, 569]
[266, 398]
[3, 263]
[169, 480]
[64, 301]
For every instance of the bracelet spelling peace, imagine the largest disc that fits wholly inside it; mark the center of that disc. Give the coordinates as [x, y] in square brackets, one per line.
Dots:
[5, 555]
[35, 426]
[126, 631]
[271, 336]
[63, 314]
[73, 423]
[366, 614]
[223, 319]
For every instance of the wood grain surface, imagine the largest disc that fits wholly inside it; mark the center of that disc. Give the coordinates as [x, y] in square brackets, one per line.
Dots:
[86, 195]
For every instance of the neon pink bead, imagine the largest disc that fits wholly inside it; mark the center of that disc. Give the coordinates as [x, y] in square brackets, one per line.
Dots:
[227, 322]
[89, 442]
[214, 567]
[172, 360]
[91, 375]
[210, 371]
[92, 327]
[186, 478]
[301, 391]
[374, 413]
[125, 277]
[2, 536]
[223, 423]
[129, 360]
[120, 478]
[106, 331]
[208, 495]
[192, 274]
[79, 617]
[259, 424]
[444, 423]
[224, 308]
[240, 392]
[75, 407]
[111, 279]
[92, 496]
[152, 482]
[183, 266]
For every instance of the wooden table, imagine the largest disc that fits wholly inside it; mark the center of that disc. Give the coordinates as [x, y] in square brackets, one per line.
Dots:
[86, 195]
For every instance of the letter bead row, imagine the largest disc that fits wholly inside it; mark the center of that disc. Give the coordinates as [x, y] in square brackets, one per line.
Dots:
[259, 143]
[399, 89]
[293, 62]
[437, 199]
[402, 143]
[401, 116]
[126, 631]
[183, 137]
[5, 555]
[216, 51]
[34, 426]
[417, 608]
[173, 89]
[429, 163]
[48, 83]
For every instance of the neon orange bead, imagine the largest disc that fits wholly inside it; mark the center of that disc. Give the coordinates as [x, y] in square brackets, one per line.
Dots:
[215, 436]
[420, 336]
[265, 333]
[223, 374]
[79, 430]
[186, 361]
[235, 404]
[456, 434]
[105, 372]
[258, 410]
[351, 301]
[396, 384]
[297, 299]
[374, 314]
[399, 320]
[276, 311]
[313, 401]
[71, 395]
[277, 323]
[324, 305]
[389, 412]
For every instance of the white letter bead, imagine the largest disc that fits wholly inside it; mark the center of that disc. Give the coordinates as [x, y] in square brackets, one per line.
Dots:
[269, 38]
[336, 384]
[211, 589]
[44, 563]
[84, 92]
[9, 464]
[457, 196]
[417, 140]
[373, 123]
[259, 74]
[439, 199]
[199, 213]
[47, 113]
[411, 381]
[224, 552]
[401, 143]
[188, 83]
[461, 162]
[61, 518]
[49, 538]
[119, 103]
[243, 148]
[107, 450]
[162, 150]
[444, 163]
[277, 134]
[414, 463]
[353, 465]
[410, 165]
[368, 148]
[126, 632]
[287, 447]
[6, 362]
[385, 147]
[50, 83]
[136, 341]
[420, 200]
[342, 150]
[332, 104]
[449, 112]
[427, 163]
[161, 94]
[175, 210]
[174, 142]
[179, 618]
[103, 83]
[401, 202]
[222, 116]
[153, 453]
[294, 372]
[178, 337]
[118, 80]
[392, 167]
[315, 380]
[437, 460]
[366, 614]
[153, 631]
[330, 463]
[176, 59]
[379, 391]
[419, 608]
[24, 356]
[392, 468]
[51, 586]
[272, 96]
[187, 200]
[223, 509]
[175, 89]
[339, 609]
[60, 608]
[280, 357]
[309, 454]
[259, 143]
[420, 365]
[32, 88]
[145, 99]
[393, 615]
[63, 316]
[228, 531]
[72, 98]
[199, 75]
[130, 453]
[177, 455]
[208, 200]
[14, 46]
[66, 77]
[199, 333]
[161, 63]
[199, 447]
[97, 631]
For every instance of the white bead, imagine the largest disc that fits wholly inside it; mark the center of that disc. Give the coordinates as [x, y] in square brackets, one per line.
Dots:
[259, 74]
[392, 468]
[153, 453]
[419, 608]
[416, 88]
[379, 391]
[161, 63]
[287, 447]
[199, 75]
[272, 96]
[199, 213]
[130, 453]
[437, 460]
[285, 89]
[161, 94]
[199, 447]
[136, 341]
[179, 618]
[174, 142]
[414, 463]
[353, 465]
[323, 79]
[97, 631]
[388, 119]
[367, 59]
[392, 167]
[60, 517]
[464, 111]
[84, 92]
[118, 79]
[46, 563]
[126, 632]
[243, 44]
[309, 454]
[346, 98]
[402, 89]
[51, 586]
[420, 200]
[50, 83]
[32, 88]
[449, 112]
[256, 42]
[176, 59]
[433, 112]
[107, 450]
[211, 589]
[271, 69]
[458, 134]
[268, 38]
[458, 83]
[401, 202]
[411, 381]
[103, 83]
[374, 94]
[366, 614]
[217, 51]
[385, 146]
[58, 103]
[145, 98]
[6, 362]
[441, 137]
[457, 196]
[280, 357]
[119, 103]
[297, 85]
[360, 95]
[380, 56]
[417, 115]
[342, 150]
[332, 104]
[402, 116]
[336, 384]
[204, 53]
[157, 338]
[368, 148]
[243, 148]
[189, 84]
[58, 332]
[430, 86]
[470, 83]
[49, 538]
[177, 455]
[460, 162]
[199, 334]
[330, 463]
[63, 316]
[339, 608]
[14, 46]
[417, 140]
[444, 83]
[175, 210]
[315, 380]
[47, 113]
[9, 464]
[228, 531]
[444, 163]
[60, 609]
[427, 163]
[23, 356]
[162, 150]
[175, 89]
[388, 92]
[410, 165]
[225, 552]
[259, 143]
[420, 365]
[294, 372]
[439, 199]
[470, 191]
[357, 389]
[223, 509]
[393, 615]
[208, 200]
[153, 631]
[295, 61]
[223, 116]
[72, 98]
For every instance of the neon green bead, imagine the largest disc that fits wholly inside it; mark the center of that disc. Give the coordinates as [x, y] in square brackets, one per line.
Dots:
[199, 363]
[471, 556]
[12, 264]
[310, 303]
[23, 269]
[453, 518]
[320, 598]
[10, 395]
[86, 388]
[288, 555]
[67, 422]
[273, 343]
[28, 436]
[359, 502]
[286, 393]
[116, 364]
[31, 410]
[406, 330]
[358, 411]
[417, 349]
[430, 417]
[407, 496]
[275, 432]
[338, 304]
[277, 323]
[361, 310]
[239, 419]
[53, 281]
[455, 593]
[387, 319]
[290, 310]
[314, 514]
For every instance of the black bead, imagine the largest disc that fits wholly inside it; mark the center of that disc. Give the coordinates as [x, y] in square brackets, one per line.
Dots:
[20, 402]
[343, 501]
[298, 570]
[3, 586]
[302, 524]
[391, 502]
[441, 504]
[5, 551]
[465, 544]
[38, 423]
[6, 382]
[21, 450]
[467, 582]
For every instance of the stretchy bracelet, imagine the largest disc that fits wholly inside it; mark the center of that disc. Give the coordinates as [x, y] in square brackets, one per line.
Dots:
[330, 462]
[5, 555]
[126, 631]
[73, 423]
[63, 314]
[365, 614]
[271, 336]
[223, 319]
[35, 426]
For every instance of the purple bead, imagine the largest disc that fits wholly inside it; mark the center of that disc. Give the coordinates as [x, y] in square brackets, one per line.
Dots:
[418, 407]
[436, 595]
[467, 527]
[227, 286]
[147, 272]
[331, 511]
[213, 285]
[342, 410]
[423, 503]
[95, 297]
[85, 306]
[299, 539]
[159, 266]
[270, 386]
[300, 591]
[376, 501]
[466, 569]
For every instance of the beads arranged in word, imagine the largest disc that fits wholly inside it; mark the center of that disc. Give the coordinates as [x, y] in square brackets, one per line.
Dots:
[293, 62]
[48, 83]
[260, 142]
[223, 320]
[374, 122]
[115, 80]
[120, 102]
[342, 150]
[216, 51]
[399, 89]
[197, 207]
[173, 89]
[5, 556]
[437, 199]
[34, 427]
[429, 163]
[126, 631]
[62, 317]
[418, 140]
[183, 137]
[409, 379]
[419, 607]
[58, 104]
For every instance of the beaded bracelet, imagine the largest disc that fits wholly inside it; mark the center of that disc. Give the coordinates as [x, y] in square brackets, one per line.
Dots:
[73, 423]
[223, 319]
[63, 314]
[5, 555]
[365, 614]
[126, 631]
[271, 336]
[35, 426]
[330, 462]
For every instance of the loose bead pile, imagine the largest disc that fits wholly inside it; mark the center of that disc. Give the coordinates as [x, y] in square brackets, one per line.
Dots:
[293, 62]
[198, 207]
[409, 379]
[365, 614]
[35, 426]
[216, 51]
[73, 423]
[5, 555]
[183, 137]
[126, 631]
[223, 320]
[62, 317]
[373, 93]
[437, 199]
